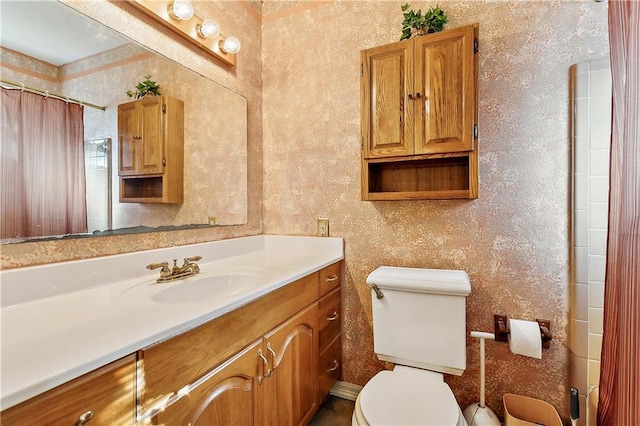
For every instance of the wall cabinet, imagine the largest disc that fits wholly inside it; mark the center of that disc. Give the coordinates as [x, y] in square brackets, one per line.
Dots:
[106, 396]
[419, 117]
[151, 150]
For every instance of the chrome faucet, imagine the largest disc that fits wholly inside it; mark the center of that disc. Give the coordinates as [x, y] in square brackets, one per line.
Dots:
[188, 269]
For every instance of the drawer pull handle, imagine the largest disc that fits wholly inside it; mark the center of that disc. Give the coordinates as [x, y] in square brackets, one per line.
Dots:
[273, 354]
[264, 360]
[332, 278]
[333, 317]
[335, 366]
[84, 418]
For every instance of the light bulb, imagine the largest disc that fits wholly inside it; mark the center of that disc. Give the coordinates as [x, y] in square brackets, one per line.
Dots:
[209, 29]
[181, 10]
[230, 45]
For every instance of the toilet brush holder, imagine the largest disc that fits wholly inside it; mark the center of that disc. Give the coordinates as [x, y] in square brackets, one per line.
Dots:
[479, 414]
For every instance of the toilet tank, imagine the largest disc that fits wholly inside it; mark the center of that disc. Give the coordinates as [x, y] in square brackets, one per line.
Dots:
[420, 321]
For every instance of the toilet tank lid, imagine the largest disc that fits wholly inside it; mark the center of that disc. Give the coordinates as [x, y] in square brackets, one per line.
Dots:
[437, 281]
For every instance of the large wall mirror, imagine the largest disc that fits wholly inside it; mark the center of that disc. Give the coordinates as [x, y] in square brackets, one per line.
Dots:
[100, 73]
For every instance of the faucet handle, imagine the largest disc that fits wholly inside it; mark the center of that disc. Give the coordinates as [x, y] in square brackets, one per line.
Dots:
[158, 265]
[188, 260]
[164, 272]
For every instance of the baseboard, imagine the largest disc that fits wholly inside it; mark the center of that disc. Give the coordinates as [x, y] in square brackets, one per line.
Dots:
[345, 390]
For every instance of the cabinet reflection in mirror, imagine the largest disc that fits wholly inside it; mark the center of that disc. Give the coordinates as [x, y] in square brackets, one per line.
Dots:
[215, 122]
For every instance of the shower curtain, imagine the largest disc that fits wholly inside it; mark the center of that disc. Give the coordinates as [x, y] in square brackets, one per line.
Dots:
[42, 165]
[619, 402]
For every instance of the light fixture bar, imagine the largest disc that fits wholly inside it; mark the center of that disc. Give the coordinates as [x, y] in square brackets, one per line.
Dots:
[187, 29]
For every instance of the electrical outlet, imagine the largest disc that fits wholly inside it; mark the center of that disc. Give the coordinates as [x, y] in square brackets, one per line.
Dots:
[211, 220]
[323, 227]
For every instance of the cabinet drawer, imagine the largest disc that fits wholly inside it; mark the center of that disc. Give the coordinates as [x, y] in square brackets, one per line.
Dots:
[330, 278]
[329, 367]
[108, 392]
[329, 318]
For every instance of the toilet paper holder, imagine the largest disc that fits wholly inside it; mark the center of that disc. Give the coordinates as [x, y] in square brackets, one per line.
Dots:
[502, 332]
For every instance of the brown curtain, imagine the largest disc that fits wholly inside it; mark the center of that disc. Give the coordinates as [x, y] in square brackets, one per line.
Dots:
[619, 402]
[42, 158]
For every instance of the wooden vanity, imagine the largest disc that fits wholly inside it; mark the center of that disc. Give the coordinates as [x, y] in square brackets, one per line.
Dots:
[270, 361]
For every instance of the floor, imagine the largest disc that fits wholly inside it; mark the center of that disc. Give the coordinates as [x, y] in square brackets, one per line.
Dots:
[333, 412]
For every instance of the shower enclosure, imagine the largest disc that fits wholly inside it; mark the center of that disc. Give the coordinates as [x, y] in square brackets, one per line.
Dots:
[591, 135]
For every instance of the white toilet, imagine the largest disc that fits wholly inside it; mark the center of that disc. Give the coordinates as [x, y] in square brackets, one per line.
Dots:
[418, 324]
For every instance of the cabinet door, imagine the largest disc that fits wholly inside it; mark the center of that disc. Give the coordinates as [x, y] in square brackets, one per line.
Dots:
[446, 84]
[227, 395]
[290, 393]
[151, 144]
[106, 396]
[386, 104]
[128, 135]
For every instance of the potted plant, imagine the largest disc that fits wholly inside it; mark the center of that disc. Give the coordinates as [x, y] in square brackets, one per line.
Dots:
[145, 88]
[415, 23]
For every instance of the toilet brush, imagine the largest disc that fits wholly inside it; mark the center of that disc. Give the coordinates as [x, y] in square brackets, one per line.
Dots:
[479, 414]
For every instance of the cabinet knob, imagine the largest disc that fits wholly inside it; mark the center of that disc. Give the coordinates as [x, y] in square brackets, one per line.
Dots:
[410, 96]
[84, 418]
[418, 95]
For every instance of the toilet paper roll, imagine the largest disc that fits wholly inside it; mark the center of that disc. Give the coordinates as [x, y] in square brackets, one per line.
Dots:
[524, 338]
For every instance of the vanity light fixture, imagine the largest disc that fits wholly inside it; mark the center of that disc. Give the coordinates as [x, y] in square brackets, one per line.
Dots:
[209, 29]
[178, 16]
[230, 45]
[181, 10]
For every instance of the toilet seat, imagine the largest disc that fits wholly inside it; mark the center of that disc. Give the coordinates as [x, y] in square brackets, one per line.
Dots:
[399, 399]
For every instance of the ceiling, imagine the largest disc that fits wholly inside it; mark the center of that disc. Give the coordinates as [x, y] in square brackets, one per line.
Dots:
[52, 32]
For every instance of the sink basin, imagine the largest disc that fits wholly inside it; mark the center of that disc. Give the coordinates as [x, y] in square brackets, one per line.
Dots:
[197, 288]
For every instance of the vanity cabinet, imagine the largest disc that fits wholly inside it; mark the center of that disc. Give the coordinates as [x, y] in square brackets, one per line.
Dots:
[419, 117]
[151, 150]
[329, 329]
[106, 396]
[258, 364]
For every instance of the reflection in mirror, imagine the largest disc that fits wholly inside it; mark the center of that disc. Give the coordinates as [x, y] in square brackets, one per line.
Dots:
[101, 72]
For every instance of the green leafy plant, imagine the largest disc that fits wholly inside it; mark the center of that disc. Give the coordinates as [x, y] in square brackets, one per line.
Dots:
[145, 87]
[415, 23]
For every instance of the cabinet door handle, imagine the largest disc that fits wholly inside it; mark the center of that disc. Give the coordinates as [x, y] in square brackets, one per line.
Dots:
[84, 418]
[273, 354]
[334, 367]
[266, 363]
[333, 317]
[332, 278]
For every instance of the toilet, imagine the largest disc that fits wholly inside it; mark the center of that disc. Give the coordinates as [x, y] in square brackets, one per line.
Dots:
[419, 324]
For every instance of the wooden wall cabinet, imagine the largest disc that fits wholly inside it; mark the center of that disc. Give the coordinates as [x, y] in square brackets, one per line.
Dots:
[108, 394]
[151, 150]
[419, 117]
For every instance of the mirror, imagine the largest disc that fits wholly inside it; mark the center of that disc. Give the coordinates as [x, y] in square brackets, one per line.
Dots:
[215, 120]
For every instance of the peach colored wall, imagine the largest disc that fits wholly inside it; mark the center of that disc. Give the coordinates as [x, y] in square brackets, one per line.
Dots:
[238, 18]
[513, 240]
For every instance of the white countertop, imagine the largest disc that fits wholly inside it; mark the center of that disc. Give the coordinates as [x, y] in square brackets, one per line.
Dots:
[63, 320]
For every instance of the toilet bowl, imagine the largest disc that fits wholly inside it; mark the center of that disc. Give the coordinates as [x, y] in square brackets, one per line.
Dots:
[419, 325]
[407, 396]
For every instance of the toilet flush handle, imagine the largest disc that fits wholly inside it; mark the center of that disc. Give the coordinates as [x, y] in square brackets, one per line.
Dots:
[379, 294]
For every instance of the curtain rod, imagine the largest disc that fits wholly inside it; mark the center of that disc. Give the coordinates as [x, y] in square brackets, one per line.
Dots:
[46, 93]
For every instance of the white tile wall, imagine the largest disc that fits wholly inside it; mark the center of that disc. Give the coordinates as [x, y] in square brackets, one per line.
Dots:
[590, 142]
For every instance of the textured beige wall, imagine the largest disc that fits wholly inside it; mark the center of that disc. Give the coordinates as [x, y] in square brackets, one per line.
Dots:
[235, 18]
[513, 240]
